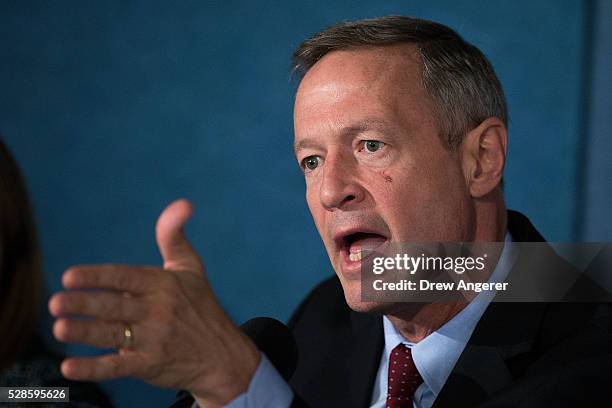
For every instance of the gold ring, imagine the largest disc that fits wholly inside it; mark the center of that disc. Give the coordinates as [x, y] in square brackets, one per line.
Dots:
[128, 337]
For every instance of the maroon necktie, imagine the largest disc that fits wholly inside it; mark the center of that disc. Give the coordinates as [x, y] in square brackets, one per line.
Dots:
[404, 378]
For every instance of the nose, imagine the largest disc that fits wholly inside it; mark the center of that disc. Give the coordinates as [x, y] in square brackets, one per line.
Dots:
[340, 187]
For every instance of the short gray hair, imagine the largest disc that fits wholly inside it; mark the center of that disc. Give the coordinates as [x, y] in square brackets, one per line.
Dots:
[457, 76]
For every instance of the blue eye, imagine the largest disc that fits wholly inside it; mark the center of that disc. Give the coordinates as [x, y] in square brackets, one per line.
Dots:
[310, 163]
[373, 145]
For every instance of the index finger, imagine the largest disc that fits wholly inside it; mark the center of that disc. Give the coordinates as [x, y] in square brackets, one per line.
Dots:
[125, 278]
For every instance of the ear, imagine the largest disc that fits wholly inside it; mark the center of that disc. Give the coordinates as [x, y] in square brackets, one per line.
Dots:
[484, 156]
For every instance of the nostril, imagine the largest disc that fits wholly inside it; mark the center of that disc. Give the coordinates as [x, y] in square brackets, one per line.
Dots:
[348, 199]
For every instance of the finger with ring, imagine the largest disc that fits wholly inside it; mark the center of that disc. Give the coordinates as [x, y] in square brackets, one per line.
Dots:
[128, 337]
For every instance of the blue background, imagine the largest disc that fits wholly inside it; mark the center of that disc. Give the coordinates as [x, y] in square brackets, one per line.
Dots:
[115, 108]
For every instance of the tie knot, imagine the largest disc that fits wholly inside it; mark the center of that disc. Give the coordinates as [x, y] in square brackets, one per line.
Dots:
[404, 378]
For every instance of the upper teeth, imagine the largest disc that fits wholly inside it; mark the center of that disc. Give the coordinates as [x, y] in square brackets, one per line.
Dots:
[355, 256]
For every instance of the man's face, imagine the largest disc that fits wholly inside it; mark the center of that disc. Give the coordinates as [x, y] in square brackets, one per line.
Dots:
[375, 166]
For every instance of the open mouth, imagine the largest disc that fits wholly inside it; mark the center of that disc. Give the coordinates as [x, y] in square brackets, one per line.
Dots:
[359, 244]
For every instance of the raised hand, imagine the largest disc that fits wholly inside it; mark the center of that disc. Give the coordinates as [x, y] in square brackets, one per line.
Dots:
[166, 324]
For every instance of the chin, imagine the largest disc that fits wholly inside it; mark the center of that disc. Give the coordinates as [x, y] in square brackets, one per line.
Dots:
[352, 295]
[370, 307]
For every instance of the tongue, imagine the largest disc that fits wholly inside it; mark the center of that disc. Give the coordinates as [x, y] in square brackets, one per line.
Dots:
[368, 243]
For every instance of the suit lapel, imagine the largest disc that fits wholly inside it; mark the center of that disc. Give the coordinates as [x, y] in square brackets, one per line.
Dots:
[505, 335]
[502, 340]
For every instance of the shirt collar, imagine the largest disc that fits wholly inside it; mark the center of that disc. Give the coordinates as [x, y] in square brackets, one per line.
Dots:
[436, 355]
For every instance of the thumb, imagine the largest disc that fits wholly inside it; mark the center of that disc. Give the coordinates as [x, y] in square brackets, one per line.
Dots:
[173, 246]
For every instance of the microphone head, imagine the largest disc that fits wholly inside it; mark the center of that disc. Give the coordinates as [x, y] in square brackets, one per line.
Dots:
[275, 340]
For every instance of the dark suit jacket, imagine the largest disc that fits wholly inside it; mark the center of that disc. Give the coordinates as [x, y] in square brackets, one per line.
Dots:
[519, 355]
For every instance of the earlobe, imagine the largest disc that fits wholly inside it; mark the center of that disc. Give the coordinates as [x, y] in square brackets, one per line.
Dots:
[484, 156]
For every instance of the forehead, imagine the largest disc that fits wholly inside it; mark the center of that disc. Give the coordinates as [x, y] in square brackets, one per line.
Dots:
[372, 65]
[347, 87]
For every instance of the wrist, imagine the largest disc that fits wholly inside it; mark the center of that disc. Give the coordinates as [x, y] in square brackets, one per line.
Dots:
[234, 378]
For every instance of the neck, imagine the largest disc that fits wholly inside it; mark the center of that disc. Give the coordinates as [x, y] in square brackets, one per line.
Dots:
[491, 218]
[415, 321]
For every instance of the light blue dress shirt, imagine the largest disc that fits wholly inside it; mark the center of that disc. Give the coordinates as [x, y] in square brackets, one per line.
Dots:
[434, 356]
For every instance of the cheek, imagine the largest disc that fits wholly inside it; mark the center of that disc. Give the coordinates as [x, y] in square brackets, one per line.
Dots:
[319, 215]
[386, 177]
[420, 204]
[312, 195]
[316, 209]
[395, 193]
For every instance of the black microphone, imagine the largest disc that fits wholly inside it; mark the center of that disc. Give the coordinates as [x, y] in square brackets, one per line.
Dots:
[275, 340]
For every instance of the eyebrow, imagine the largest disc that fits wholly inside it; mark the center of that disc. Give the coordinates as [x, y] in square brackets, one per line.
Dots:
[353, 129]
